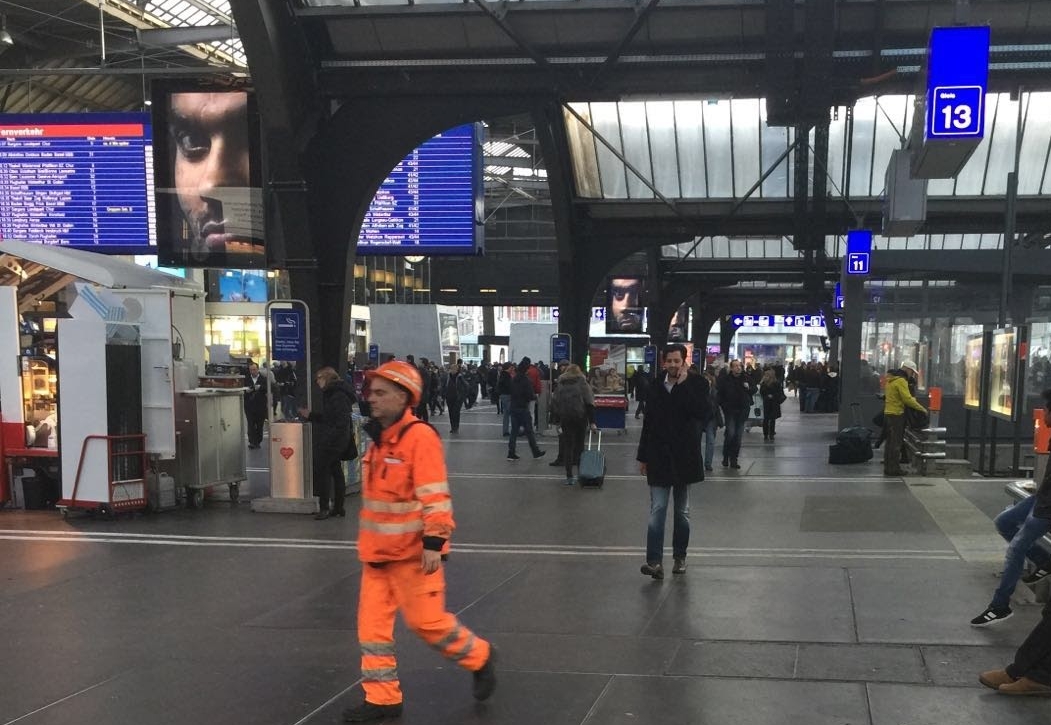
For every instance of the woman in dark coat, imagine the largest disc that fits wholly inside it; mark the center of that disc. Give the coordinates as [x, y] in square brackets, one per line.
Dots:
[773, 395]
[331, 431]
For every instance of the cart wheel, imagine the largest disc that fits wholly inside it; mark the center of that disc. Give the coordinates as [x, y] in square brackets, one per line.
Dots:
[197, 498]
[235, 492]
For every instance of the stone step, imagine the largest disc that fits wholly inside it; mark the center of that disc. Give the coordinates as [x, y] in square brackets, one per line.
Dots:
[946, 467]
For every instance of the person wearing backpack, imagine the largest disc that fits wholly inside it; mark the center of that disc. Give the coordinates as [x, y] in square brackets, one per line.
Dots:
[575, 406]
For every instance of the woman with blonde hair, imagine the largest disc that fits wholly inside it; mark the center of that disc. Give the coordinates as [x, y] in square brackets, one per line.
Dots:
[574, 405]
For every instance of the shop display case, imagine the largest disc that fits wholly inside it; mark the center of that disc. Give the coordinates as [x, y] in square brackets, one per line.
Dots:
[39, 388]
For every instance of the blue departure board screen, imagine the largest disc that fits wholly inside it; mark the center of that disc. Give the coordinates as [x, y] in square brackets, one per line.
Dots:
[78, 180]
[427, 205]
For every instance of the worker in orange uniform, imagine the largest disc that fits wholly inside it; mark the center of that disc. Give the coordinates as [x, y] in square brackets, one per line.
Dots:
[404, 528]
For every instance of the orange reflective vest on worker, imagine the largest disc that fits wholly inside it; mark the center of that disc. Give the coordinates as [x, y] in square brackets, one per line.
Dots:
[405, 496]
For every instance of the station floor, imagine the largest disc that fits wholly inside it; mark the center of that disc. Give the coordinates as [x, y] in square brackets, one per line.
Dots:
[815, 595]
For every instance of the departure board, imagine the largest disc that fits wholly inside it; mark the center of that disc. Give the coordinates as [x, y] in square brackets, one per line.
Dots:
[427, 204]
[78, 180]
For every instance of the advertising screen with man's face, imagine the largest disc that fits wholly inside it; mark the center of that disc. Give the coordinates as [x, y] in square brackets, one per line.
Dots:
[209, 179]
[624, 305]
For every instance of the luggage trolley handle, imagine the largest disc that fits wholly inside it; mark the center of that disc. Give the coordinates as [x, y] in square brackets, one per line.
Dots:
[599, 448]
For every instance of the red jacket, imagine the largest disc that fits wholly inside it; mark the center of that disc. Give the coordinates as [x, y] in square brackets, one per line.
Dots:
[533, 373]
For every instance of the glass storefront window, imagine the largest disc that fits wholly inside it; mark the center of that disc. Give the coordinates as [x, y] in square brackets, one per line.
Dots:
[1038, 374]
[246, 335]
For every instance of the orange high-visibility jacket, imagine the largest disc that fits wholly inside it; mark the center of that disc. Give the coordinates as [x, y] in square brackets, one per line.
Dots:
[405, 497]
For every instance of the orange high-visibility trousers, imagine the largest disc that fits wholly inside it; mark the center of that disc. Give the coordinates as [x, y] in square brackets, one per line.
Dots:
[402, 586]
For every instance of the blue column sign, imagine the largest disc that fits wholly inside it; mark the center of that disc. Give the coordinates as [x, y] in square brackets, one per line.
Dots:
[696, 356]
[837, 297]
[859, 251]
[957, 78]
[560, 348]
[374, 355]
[649, 355]
[287, 335]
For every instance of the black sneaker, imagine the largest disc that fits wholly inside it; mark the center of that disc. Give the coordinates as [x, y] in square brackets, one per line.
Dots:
[485, 678]
[726, 462]
[368, 712]
[735, 464]
[513, 456]
[680, 566]
[654, 570]
[539, 454]
[991, 616]
[557, 462]
[1034, 576]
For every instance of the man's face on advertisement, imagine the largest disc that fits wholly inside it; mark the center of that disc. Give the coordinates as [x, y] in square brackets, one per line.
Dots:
[210, 136]
[624, 301]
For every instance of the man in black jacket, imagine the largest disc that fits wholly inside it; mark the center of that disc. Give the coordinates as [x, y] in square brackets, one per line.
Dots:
[255, 404]
[522, 394]
[669, 456]
[735, 398]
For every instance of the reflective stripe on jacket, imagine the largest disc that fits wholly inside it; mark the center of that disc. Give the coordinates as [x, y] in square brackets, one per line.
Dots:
[405, 495]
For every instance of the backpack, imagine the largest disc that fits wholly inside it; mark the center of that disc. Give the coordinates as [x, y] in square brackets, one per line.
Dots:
[569, 403]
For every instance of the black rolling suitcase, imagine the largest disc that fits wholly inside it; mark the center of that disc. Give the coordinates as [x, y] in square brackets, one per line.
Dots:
[853, 444]
[593, 465]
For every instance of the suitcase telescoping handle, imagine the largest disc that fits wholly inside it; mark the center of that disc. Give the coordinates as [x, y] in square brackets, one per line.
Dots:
[599, 439]
[855, 409]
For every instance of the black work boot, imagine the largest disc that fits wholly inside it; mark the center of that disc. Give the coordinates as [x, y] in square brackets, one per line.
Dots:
[485, 678]
[369, 712]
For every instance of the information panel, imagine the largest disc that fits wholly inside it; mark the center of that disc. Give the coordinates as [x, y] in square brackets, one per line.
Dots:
[78, 180]
[427, 205]
[287, 335]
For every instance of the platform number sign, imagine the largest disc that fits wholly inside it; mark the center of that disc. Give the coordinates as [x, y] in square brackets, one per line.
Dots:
[957, 78]
[859, 251]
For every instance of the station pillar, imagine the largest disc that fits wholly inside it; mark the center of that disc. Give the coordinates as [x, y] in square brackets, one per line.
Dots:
[853, 288]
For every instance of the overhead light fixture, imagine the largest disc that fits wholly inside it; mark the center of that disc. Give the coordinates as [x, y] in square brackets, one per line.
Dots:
[5, 37]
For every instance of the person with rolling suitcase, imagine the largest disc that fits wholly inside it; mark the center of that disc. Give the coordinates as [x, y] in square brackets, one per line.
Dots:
[669, 456]
[574, 405]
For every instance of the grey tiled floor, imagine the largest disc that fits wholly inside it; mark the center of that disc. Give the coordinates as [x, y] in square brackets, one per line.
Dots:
[815, 594]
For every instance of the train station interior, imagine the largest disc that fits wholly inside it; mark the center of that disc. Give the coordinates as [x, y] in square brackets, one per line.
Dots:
[854, 184]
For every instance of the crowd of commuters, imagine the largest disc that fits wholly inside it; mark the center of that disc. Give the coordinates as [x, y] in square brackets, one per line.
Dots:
[403, 543]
